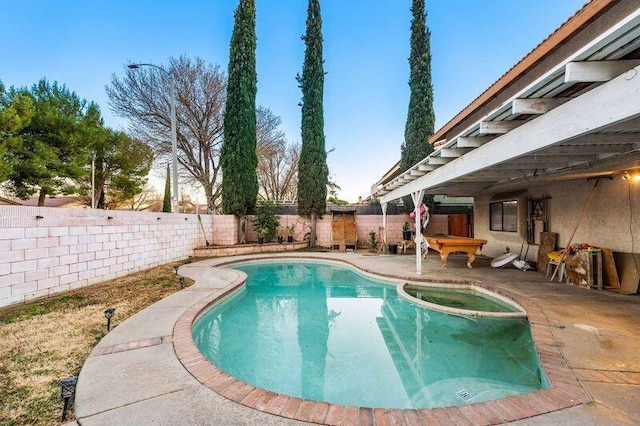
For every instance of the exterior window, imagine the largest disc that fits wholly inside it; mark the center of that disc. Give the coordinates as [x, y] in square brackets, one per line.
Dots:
[504, 216]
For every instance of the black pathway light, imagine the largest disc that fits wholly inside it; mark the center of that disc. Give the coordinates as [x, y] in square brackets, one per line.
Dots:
[67, 390]
[108, 314]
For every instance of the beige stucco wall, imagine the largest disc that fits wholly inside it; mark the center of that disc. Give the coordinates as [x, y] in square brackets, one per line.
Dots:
[611, 220]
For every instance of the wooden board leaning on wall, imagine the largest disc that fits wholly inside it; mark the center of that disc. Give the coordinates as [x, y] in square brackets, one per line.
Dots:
[609, 271]
[629, 271]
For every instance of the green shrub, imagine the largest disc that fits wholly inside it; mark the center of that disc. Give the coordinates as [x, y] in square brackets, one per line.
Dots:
[266, 222]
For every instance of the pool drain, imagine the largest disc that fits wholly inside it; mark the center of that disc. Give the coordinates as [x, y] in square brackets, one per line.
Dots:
[465, 394]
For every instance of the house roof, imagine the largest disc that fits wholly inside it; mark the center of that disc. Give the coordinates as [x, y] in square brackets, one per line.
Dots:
[582, 17]
[568, 110]
[386, 178]
[53, 201]
[5, 200]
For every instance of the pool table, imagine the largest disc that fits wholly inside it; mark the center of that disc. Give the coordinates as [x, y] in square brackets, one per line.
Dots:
[445, 244]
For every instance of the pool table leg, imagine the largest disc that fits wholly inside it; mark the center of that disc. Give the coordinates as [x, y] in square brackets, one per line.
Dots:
[443, 257]
[471, 258]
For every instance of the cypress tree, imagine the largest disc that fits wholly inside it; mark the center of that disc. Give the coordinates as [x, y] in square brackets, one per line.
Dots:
[238, 157]
[166, 201]
[313, 172]
[420, 116]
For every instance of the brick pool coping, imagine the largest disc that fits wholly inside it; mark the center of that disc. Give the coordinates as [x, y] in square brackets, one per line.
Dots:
[565, 390]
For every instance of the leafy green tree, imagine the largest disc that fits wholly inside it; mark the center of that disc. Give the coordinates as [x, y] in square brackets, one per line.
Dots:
[238, 158]
[337, 201]
[420, 117]
[121, 163]
[46, 152]
[166, 201]
[16, 112]
[313, 172]
[48, 136]
[125, 168]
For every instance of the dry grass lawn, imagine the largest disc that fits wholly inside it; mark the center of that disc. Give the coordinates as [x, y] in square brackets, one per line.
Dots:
[45, 341]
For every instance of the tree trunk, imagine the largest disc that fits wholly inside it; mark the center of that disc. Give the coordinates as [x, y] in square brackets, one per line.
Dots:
[242, 235]
[41, 198]
[208, 195]
[101, 200]
[99, 181]
[314, 221]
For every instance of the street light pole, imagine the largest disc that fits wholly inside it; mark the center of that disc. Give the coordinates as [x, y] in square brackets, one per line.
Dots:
[174, 133]
[174, 146]
[93, 180]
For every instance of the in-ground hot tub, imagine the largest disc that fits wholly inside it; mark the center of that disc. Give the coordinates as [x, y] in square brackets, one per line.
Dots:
[464, 300]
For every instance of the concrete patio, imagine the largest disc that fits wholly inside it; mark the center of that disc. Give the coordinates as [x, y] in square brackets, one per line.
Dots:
[141, 373]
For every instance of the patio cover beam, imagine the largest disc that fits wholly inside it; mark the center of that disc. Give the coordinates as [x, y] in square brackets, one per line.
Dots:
[453, 152]
[498, 127]
[620, 97]
[592, 71]
[473, 141]
[537, 105]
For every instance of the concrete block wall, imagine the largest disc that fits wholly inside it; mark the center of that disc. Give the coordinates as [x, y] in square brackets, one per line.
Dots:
[301, 228]
[364, 224]
[46, 250]
[225, 230]
[368, 223]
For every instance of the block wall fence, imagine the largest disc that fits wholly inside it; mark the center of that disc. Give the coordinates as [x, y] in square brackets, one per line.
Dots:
[45, 250]
[364, 225]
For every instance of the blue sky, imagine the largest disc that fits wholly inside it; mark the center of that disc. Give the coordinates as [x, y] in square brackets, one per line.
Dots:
[366, 48]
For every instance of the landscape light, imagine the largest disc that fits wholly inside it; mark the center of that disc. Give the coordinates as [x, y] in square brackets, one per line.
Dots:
[67, 390]
[175, 269]
[181, 282]
[108, 314]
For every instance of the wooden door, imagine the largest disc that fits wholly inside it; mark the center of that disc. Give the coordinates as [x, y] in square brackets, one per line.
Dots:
[343, 231]
[459, 225]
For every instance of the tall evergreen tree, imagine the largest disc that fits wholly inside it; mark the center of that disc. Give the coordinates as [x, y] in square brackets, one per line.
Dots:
[239, 159]
[420, 117]
[313, 172]
[45, 151]
[166, 201]
[16, 112]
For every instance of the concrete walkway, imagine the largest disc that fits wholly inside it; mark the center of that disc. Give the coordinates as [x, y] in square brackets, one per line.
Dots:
[134, 376]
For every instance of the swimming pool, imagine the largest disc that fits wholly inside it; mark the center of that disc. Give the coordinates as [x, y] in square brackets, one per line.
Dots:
[327, 333]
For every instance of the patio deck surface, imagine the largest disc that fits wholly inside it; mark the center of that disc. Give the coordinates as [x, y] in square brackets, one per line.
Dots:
[146, 370]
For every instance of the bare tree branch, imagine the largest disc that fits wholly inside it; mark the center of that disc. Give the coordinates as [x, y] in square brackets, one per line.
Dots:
[144, 97]
[277, 160]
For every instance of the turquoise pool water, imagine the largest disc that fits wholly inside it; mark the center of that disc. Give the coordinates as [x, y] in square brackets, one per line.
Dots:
[326, 333]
